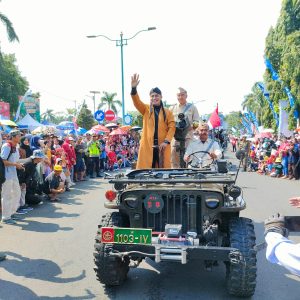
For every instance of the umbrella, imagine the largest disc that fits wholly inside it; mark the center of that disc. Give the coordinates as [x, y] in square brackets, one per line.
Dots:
[65, 125]
[118, 131]
[45, 130]
[136, 128]
[100, 128]
[8, 123]
[125, 127]
[111, 125]
[262, 135]
[81, 131]
[267, 130]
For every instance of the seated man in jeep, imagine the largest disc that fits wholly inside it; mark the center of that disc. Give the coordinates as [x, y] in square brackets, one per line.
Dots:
[200, 146]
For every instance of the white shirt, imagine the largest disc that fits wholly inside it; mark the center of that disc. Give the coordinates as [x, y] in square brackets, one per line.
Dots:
[283, 251]
[197, 145]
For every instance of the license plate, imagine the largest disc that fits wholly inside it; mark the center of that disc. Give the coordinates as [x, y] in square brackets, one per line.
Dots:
[126, 235]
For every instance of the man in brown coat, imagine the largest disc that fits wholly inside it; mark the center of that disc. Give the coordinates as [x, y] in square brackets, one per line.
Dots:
[158, 129]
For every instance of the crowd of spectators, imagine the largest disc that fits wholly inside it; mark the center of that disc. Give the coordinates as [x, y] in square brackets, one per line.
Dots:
[47, 165]
[274, 156]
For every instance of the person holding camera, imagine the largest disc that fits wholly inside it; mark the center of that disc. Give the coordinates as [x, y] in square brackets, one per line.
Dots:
[158, 129]
[190, 112]
[281, 250]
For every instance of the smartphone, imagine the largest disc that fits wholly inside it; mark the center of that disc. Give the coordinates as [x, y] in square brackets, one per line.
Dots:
[292, 223]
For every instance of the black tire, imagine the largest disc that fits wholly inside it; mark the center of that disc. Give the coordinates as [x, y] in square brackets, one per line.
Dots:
[241, 277]
[110, 270]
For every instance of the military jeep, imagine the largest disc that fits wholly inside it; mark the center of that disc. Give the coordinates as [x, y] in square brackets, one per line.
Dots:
[177, 215]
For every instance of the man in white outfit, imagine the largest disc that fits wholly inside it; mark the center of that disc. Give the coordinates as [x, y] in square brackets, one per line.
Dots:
[280, 249]
[11, 191]
[202, 144]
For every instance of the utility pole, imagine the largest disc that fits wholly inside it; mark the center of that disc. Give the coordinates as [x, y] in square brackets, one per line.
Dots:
[94, 98]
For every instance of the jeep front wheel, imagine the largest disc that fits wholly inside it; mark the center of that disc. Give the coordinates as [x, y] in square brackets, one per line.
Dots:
[241, 275]
[110, 270]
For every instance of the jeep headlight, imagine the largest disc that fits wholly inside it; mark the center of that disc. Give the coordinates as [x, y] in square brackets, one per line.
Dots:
[131, 201]
[212, 200]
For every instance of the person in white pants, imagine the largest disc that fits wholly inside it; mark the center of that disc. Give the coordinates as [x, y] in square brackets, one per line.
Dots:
[10, 189]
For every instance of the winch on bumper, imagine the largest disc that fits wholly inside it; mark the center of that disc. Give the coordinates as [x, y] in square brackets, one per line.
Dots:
[170, 245]
[178, 254]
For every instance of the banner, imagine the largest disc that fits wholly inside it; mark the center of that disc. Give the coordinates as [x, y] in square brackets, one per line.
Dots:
[29, 105]
[267, 96]
[274, 74]
[283, 119]
[5, 110]
[246, 125]
[253, 117]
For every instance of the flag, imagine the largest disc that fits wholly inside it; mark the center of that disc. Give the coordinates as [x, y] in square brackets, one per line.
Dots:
[74, 120]
[214, 119]
[274, 74]
[283, 119]
[253, 117]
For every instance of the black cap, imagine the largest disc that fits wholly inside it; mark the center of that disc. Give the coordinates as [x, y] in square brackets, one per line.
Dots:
[155, 90]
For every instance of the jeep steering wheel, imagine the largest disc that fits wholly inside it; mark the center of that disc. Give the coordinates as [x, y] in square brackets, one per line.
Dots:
[198, 158]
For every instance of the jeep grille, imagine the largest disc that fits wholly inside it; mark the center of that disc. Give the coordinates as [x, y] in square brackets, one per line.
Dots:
[175, 211]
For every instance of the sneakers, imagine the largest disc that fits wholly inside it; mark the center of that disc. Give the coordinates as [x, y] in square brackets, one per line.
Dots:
[9, 221]
[21, 212]
[26, 207]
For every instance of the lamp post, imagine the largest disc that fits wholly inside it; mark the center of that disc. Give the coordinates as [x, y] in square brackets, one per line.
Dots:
[120, 43]
[94, 97]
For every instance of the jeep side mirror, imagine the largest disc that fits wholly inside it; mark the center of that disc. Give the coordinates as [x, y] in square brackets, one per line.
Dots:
[240, 154]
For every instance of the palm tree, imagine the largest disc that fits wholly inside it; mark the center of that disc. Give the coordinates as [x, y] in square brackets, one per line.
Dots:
[11, 34]
[48, 116]
[109, 101]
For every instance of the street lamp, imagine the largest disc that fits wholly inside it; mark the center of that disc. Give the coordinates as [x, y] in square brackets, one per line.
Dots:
[94, 97]
[122, 42]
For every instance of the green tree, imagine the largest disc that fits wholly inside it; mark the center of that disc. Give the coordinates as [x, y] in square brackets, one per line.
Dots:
[109, 101]
[233, 119]
[283, 50]
[85, 117]
[12, 84]
[71, 113]
[137, 118]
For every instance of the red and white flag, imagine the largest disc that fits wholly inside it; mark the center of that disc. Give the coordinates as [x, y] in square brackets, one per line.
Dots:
[74, 120]
[214, 119]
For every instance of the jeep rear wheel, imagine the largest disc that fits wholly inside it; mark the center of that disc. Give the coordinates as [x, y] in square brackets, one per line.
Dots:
[241, 277]
[110, 270]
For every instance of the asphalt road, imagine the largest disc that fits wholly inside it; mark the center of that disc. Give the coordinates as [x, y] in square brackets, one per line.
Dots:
[50, 252]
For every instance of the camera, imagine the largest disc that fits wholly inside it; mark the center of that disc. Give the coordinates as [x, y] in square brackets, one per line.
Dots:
[292, 223]
[182, 127]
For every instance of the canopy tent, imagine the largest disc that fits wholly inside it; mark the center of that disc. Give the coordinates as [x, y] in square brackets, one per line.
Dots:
[29, 122]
